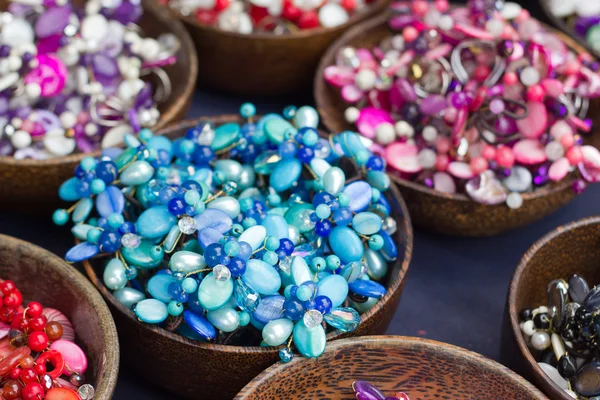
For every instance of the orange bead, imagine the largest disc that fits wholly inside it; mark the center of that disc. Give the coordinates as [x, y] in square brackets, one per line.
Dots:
[61, 394]
[54, 330]
[26, 362]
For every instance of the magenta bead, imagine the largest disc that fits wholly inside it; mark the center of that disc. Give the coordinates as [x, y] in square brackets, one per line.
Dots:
[75, 358]
[50, 74]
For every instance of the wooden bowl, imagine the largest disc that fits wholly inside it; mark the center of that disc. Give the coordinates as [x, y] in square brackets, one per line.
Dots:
[42, 276]
[451, 214]
[573, 248]
[423, 369]
[201, 371]
[263, 63]
[24, 183]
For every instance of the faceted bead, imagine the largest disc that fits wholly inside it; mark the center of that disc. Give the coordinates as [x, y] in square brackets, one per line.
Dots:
[269, 308]
[246, 297]
[286, 355]
[222, 273]
[345, 319]
[131, 240]
[187, 225]
[312, 318]
[77, 379]
[86, 392]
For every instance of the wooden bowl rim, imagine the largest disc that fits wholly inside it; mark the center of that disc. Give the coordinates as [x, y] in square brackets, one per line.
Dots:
[319, 88]
[394, 285]
[166, 117]
[403, 342]
[512, 294]
[111, 354]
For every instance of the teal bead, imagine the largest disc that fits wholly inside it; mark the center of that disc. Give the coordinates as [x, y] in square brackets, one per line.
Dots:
[310, 138]
[115, 220]
[229, 205]
[151, 311]
[192, 245]
[376, 242]
[304, 293]
[299, 216]
[277, 331]
[214, 294]
[186, 262]
[175, 309]
[277, 129]
[335, 287]
[159, 143]
[114, 275]
[287, 292]
[156, 253]
[379, 180]
[317, 186]
[246, 204]
[362, 157]
[364, 307]
[377, 265]
[244, 318]
[266, 162]
[125, 157]
[225, 135]
[131, 141]
[68, 190]
[333, 262]
[82, 210]
[93, 235]
[155, 222]
[88, 163]
[307, 116]
[186, 146]
[247, 110]
[334, 180]
[163, 173]
[300, 271]
[274, 200]
[225, 319]
[192, 197]
[190, 285]
[172, 237]
[346, 244]
[60, 217]
[80, 231]
[143, 256]
[289, 112]
[237, 230]
[286, 174]
[276, 226]
[367, 223]
[129, 296]
[254, 236]
[323, 211]
[286, 355]
[375, 195]
[230, 169]
[343, 199]
[247, 178]
[270, 257]
[146, 134]
[138, 173]
[310, 342]
[319, 166]
[232, 248]
[261, 277]
[318, 264]
[97, 186]
[248, 223]
[272, 243]
[158, 287]
[346, 319]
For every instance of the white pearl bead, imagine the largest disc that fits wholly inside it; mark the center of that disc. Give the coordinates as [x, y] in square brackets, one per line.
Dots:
[90, 129]
[427, 158]
[236, 6]
[92, 7]
[16, 122]
[404, 129]
[530, 76]
[4, 67]
[27, 48]
[365, 79]
[514, 200]
[540, 340]
[511, 10]
[131, 37]
[21, 139]
[432, 18]
[332, 15]
[94, 27]
[554, 151]
[145, 117]
[398, 42]
[33, 90]
[95, 87]
[69, 55]
[14, 63]
[385, 133]
[351, 114]
[446, 23]
[61, 2]
[528, 328]
[68, 119]
[495, 27]
[430, 133]
[155, 114]
[150, 49]
[16, 32]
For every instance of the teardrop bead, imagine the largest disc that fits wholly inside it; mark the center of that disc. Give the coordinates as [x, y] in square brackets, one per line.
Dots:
[138, 173]
[346, 319]
[114, 275]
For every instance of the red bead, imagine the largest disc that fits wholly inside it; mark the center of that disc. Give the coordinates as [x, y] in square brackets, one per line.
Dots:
[207, 17]
[7, 286]
[32, 391]
[478, 165]
[38, 323]
[257, 14]
[28, 375]
[481, 72]
[536, 93]
[488, 152]
[505, 157]
[6, 315]
[40, 369]
[510, 78]
[290, 11]
[349, 5]
[16, 322]
[441, 162]
[56, 359]
[37, 341]
[34, 309]
[15, 373]
[13, 299]
[220, 5]
[308, 20]
[410, 33]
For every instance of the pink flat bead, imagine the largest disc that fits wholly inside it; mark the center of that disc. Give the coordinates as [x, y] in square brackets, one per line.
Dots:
[75, 358]
[370, 118]
[460, 170]
[351, 94]
[443, 182]
[590, 167]
[559, 169]
[553, 87]
[529, 152]
[403, 157]
[339, 76]
[50, 74]
[536, 122]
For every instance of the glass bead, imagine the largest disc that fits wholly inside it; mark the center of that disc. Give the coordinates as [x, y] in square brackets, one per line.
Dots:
[244, 318]
[270, 257]
[222, 273]
[187, 225]
[77, 379]
[129, 240]
[174, 308]
[86, 392]
[318, 264]
[323, 211]
[312, 318]
[286, 355]
[293, 309]
[131, 273]
[60, 217]
[375, 242]
[272, 243]
[304, 293]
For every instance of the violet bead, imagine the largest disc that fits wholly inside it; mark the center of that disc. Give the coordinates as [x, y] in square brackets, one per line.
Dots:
[579, 186]
[366, 391]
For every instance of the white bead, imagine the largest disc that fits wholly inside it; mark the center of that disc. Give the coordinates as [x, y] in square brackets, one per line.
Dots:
[426, 158]
[5, 18]
[554, 151]
[235, 22]
[404, 129]
[332, 15]
[95, 87]
[4, 67]
[14, 63]
[571, 393]
[92, 7]
[560, 128]
[150, 49]
[385, 133]
[429, 133]
[557, 346]
[561, 8]
[495, 27]
[236, 6]
[540, 340]
[275, 9]
[528, 328]
[446, 23]
[61, 2]
[33, 90]
[27, 48]
[351, 114]
[514, 200]
[16, 32]
[131, 37]
[511, 10]
[307, 5]
[587, 8]
[540, 309]
[94, 27]
[432, 18]
[530, 76]
[69, 55]
[57, 144]
[145, 117]
[365, 79]
[21, 139]
[16, 122]
[398, 42]
[68, 119]
[90, 129]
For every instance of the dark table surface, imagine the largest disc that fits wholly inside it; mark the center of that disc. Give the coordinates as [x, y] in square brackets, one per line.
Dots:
[456, 287]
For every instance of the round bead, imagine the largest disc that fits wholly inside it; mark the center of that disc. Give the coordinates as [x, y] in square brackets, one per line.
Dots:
[385, 133]
[554, 151]
[351, 114]
[530, 76]
[427, 158]
[365, 79]
[514, 200]
[404, 129]
[540, 340]
[429, 133]
[60, 217]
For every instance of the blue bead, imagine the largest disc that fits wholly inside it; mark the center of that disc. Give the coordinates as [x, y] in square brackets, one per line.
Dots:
[269, 308]
[192, 185]
[127, 227]
[177, 293]
[107, 171]
[375, 163]
[109, 202]
[109, 242]
[294, 309]
[342, 216]
[81, 252]
[83, 188]
[323, 198]
[323, 304]
[177, 206]
[213, 254]
[286, 245]
[286, 355]
[323, 228]
[200, 325]
[305, 154]
[367, 288]
[68, 190]
[60, 217]
[287, 149]
[166, 194]
[237, 267]
[203, 155]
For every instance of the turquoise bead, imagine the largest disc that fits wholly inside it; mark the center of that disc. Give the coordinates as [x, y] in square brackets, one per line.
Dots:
[114, 274]
[131, 141]
[349, 142]
[229, 205]
[225, 319]
[346, 244]
[125, 157]
[213, 294]
[88, 163]
[319, 166]
[143, 256]
[378, 179]
[129, 296]
[286, 174]
[310, 342]
[190, 285]
[266, 162]
[323, 211]
[262, 277]
[244, 318]
[346, 319]
[68, 190]
[276, 226]
[174, 308]
[247, 178]
[230, 169]
[366, 306]
[376, 242]
[82, 210]
[335, 287]
[366, 223]
[254, 236]
[186, 262]
[298, 215]
[60, 217]
[161, 143]
[80, 231]
[225, 135]
[172, 237]
[300, 271]
[138, 173]
[192, 197]
[155, 222]
[334, 180]
[377, 266]
[277, 332]
[307, 116]
[151, 311]
[97, 186]
[247, 110]
[276, 129]
[158, 287]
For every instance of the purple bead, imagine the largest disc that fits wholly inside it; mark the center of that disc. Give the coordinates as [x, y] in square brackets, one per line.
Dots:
[5, 148]
[133, 120]
[52, 22]
[583, 24]
[579, 186]
[433, 105]
[497, 106]
[458, 99]
[366, 391]
[406, 89]
[4, 50]
[505, 125]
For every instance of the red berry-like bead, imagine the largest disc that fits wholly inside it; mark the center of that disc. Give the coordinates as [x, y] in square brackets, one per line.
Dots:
[13, 299]
[7, 286]
[220, 5]
[32, 391]
[349, 5]
[15, 373]
[28, 375]
[38, 323]
[40, 369]
[308, 20]
[37, 341]
[34, 309]
[290, 11]
[257, 14]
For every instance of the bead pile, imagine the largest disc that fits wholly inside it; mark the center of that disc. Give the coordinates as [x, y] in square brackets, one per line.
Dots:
[582, 16]
[32, 339]
[366, 391]
[272, 16]
[261, 229]
[70, 77]
[564, 336]
[477, 100]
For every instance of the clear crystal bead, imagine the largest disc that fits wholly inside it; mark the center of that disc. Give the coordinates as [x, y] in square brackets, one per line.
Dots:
[312, 318]
[230, 187]
[207, 135]
[390, 225]
[187, 225]
[46, 382]
[246, 297]
[222, 273]
[131, 240]
[285, 264]
[86, 392]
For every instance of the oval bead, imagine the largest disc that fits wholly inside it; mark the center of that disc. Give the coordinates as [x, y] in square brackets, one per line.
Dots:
[158, 287]
[346, 244]
[231, 169]
[225, 319]
[377, 266]
[225, 135]
[366, 223]
[276, 226]
[300, 271]
[200, 325]
[346, 319]
[82, 210]
[277, 332]
[269, 308]
[138, 173]
[389, 249]
[82, 251]
[360, 194]
[587, 381]
[229, 205]
[306, 116]
[334, 180]
[379, 180]
[80, 231]
[129, 296]
[262, 277]
[75, 359]
[114, 275]
[213, 218]
[208, 236]
[335, 287]
[172, 238]
[186, 262]
[61, 393]
[277, 128]
[367, 288]
[213, 294]
[366, 306]
[310, 342]
[68, 190]
[155, 222]
[319, 166]
[247, 178]
[161, 143]
[109, 202]
[294, 216]
[286, 174]
[151, 311]
[254, 236]
[141, 256]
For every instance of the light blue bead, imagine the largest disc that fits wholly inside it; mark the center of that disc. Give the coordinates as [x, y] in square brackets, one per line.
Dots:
[247, 178]
[277, 129]
[172, 237]
[80, 231]
[376, 242]
[333, 262]
[318, 264]
[229, 205]
[366, 306]
[68, 191]
[255, 236]
[115, 221]
[247, 110]
[82, 251]
[354, 270]
[334, 180]
[60, 217]
[192, 197]
[208, 236]
[277, 332]
[266, 162]
[246, 297]
[129, 296]
[286, 174]
[161, 143]
[214, 294]
[269, 308]
[151, 311]
[346, 244]
[230, 169]
[270, 257]
[310, 138]
[377, 265]
[200, 325]
[276, 226]
[323, 211]
[335, 287]
[379, 180]
[158, 287]
[144, 256]
[244, 318]
[297, 216]
[225, 135]
[174, 308]
[131, 141]
[98, 186]
[186, 262]
[114, 275]
[359, 193]
[93, 235]
[346, 319]
[155, 222]
[146, 134]
[88, 163]
[319, 166]
[82, 210]
[213, 218]
[366, 223]
[304, 293]
[225, 319]
[307, 116]
[190, 285]
[138, 173]
[310, 342]
[262, 277]
[300, 271]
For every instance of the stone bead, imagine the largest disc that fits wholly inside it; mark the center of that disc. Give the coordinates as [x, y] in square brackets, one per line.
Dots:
[155, 222]
[186, 262]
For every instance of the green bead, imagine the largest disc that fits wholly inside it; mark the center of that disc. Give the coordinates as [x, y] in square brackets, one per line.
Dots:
[376, 242]
[192, 197]
[88, 163]
[362, 157]
[115, 220]
[318, 264]
[60, 217]
[317, 185]
[323, 211]
[93, 235]
[246, 204]
[304, 293]
[187, 146]
[333, 262]
[248, 223]
[343, 199]
[189, 285]
[272, 243]
[174, 308]
[270, 257]
[274, 200]
[237, 230]
[310, 138]
[98, 186]
[247, 110]
[244, 318]
[232, 248]
[145, 134]
[375, 195]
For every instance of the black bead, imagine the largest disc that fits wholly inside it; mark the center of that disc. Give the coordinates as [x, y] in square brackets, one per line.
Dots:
[541, 321]
[547, 356]
[582, 316]
[566, 366]
[357, 298]
[569, 334]
[525, 314]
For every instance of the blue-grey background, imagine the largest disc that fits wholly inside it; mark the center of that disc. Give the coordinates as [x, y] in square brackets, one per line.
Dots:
[455, 290]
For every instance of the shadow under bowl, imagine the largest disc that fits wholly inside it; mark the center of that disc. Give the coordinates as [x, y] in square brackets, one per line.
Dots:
[44, 277]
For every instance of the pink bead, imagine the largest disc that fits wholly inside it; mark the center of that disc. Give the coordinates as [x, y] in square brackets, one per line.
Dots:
[443, 145]
[478, 165]
[50, 75]
[529, 152]
[450, 115]
[567, 140]
[572, 67]
[410, 34]
[553, 87]
[583, 57]
[536, 122]
[509, 33]
[559, 169]
[481, 72]
[441, 162]
[442, 5]
[560, 128]
[75, 358]
[523, 16]
[488, 152]
[536, 93]
[403, 157]
[505, 157]
[83, 117]
[574, 155]
[28, 126]
[511, 78]
[420, 7]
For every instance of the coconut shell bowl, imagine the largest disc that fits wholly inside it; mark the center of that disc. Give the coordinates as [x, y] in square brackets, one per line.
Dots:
[44, 277]
[567, 250]
[449, 214]
[422, 369]
[28, 181]
[198, 370]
